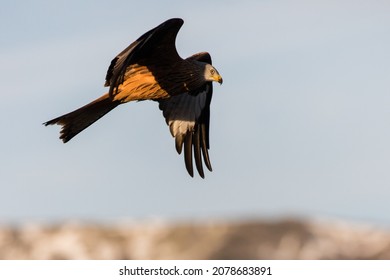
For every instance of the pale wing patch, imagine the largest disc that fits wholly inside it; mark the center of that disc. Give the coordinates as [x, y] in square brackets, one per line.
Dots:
[182, 111]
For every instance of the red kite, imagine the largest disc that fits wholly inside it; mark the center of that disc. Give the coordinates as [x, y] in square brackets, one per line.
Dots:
[151, 69]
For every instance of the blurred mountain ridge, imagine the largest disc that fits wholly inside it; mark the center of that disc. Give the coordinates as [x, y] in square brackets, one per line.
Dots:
[251, 239]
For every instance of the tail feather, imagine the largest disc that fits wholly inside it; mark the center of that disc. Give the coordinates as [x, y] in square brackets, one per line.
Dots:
[75, 122]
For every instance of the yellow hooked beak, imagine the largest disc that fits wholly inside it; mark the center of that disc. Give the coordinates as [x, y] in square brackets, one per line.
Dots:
[219, 79]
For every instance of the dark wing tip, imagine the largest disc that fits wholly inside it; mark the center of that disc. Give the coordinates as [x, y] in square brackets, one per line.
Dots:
[197, 152]
[188, 154]
[179, 143]
[205, 146]
[174, 21]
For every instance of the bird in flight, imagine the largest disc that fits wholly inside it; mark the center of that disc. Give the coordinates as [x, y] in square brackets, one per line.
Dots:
[151, 69]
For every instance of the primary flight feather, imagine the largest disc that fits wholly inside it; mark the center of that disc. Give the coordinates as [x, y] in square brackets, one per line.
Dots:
[151, 69]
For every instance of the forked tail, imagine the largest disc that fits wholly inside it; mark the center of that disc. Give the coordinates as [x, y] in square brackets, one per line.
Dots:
[75, 122]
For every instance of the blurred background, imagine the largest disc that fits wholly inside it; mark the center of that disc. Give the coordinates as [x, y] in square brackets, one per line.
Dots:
[299, 133]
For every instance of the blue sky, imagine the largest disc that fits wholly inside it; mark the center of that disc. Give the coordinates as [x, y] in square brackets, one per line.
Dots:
[300, 126]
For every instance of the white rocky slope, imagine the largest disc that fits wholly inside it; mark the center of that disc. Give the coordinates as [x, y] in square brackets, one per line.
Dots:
[288, 239]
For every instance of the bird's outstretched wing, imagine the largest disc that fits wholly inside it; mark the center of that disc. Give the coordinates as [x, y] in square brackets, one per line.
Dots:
[155, 49]
[188, 117]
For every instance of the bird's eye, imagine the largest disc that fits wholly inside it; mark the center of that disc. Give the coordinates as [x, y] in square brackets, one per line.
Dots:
[212, 71]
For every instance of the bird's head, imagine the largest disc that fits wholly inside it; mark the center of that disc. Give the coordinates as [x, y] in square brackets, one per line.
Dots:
[211, 74]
